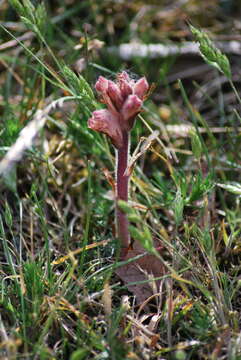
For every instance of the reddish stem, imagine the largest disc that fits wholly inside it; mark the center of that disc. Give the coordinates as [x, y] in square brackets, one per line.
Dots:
[122, 185]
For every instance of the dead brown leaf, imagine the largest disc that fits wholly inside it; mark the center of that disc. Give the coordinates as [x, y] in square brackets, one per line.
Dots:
[147, 267]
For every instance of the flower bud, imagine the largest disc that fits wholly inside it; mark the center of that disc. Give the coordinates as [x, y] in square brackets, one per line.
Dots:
[140, 88]
[131, 107]
[125, 84]
[106, 122]
[102, 84]
[115, 94]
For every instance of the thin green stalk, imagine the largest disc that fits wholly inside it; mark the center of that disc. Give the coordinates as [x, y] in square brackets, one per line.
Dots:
[235, 91]
[88, 216]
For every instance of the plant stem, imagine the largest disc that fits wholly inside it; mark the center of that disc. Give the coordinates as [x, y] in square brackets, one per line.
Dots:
[122, 185]
[235, 91]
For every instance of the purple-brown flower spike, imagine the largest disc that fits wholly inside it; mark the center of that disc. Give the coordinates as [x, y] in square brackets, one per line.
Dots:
[124, 99]
[106, 122]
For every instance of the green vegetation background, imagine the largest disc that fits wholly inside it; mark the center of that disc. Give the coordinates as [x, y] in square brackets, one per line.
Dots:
[59, 298]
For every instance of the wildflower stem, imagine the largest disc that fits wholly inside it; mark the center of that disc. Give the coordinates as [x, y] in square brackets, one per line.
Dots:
[235, 91]
[122, 185]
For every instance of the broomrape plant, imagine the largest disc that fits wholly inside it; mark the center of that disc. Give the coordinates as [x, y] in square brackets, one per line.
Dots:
[124, 99]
